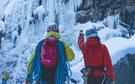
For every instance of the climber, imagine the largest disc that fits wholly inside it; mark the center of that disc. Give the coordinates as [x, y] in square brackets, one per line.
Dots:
[96, 58]
[49, 61]
[5, 77]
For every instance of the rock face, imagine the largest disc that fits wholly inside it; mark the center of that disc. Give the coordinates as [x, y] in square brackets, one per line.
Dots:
[99, 9]
[125, 70]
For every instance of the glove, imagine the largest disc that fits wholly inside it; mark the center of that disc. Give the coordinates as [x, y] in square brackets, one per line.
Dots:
[81, 32]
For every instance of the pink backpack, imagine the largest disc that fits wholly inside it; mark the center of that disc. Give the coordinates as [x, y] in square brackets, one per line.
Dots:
[48, 52]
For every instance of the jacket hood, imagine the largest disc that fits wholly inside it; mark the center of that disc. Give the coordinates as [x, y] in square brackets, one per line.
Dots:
[93, 41]
[55, 34]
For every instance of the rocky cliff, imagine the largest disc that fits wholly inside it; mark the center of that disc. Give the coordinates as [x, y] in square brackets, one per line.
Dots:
[125, 70]
[97, 10]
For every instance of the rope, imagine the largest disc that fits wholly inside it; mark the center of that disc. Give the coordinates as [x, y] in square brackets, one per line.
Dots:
[35, 69]
[63, 68]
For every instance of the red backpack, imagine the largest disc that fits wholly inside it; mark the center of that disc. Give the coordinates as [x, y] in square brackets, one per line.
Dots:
[48, 52]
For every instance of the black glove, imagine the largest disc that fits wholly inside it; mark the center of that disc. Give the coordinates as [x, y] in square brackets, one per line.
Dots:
[81, 32]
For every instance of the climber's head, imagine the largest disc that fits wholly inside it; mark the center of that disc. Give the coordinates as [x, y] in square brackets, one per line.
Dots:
[53, 27]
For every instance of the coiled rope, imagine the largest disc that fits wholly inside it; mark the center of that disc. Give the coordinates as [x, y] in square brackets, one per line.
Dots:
[63, 72]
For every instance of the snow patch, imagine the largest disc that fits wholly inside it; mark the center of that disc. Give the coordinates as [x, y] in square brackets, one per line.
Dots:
[119, 47]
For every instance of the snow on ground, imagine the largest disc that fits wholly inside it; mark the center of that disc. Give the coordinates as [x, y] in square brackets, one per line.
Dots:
[76, 74]
[76, 65]
[119, 47]
[78, 56]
